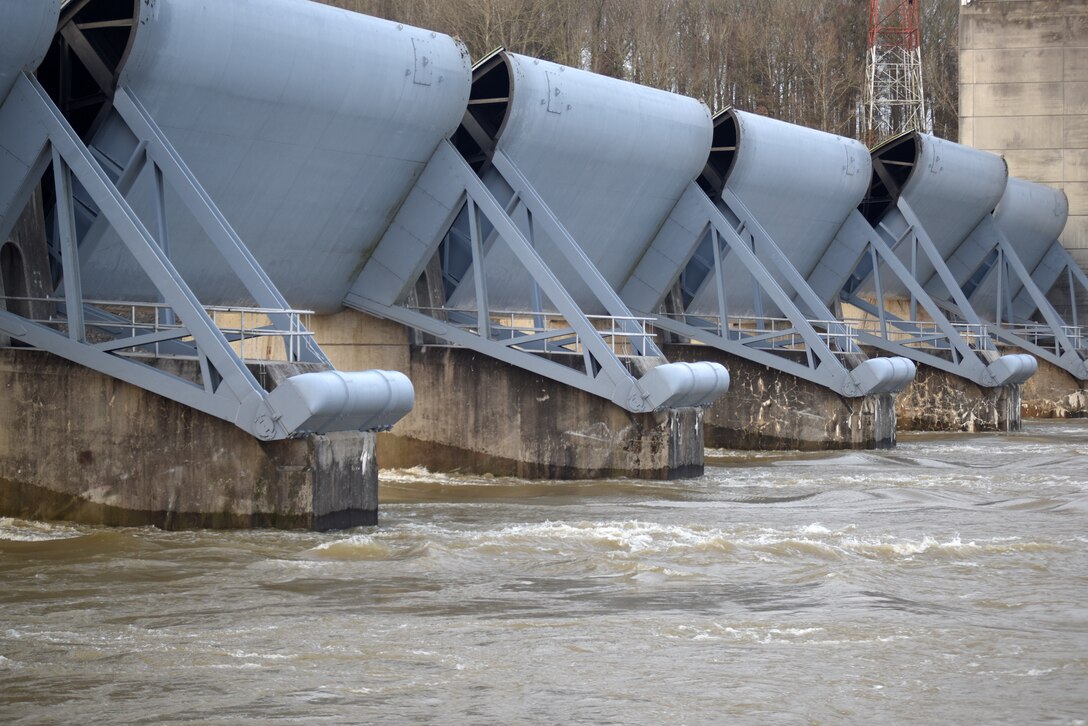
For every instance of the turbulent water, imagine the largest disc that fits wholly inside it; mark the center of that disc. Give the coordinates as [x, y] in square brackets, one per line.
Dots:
[943, 582]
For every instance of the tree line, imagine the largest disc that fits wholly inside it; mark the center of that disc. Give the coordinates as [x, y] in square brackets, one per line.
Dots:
[801, 61]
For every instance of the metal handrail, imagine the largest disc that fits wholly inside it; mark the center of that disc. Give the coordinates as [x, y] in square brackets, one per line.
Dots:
[1043, 335]
[922, 333]
[779, 333]
[154, 317]
[618, 331]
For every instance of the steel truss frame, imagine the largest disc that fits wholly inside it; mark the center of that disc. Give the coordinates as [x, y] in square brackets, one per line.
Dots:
[651, 383]
[981, 362]
[1065, 350]
[226, 388]
[734, 231]
[894, 93]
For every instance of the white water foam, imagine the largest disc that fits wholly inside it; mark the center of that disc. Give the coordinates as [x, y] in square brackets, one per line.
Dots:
[18, 530]
[634, 538]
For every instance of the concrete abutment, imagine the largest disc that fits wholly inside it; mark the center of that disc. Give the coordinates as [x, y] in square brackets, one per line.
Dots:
[80, 446]
[940, 401]
[1054, 393]
[477, 414]
[772, 410]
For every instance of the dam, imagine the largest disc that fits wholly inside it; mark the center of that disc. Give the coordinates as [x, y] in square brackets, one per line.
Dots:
[235, 283]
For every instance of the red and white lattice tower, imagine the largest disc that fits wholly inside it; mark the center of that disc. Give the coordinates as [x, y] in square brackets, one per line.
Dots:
[894, 99]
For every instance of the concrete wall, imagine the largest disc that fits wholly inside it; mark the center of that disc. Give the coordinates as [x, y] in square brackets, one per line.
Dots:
[474, 413]
[1024, 94]
[940, 401]
[80, 446]
[1053, 393]
[770, 410]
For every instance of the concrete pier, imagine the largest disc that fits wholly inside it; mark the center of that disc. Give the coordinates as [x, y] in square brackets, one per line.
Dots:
[476, 414]
[771, 410]
[940, 401]
[1053, 393]
[79, 446]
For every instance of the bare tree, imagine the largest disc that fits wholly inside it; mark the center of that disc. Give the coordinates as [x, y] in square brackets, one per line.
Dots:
[800, 61]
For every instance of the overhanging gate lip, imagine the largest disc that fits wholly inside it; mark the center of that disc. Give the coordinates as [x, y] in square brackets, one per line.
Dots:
[481, 69]
[690, 153]
[891, 154]
[715, 175]
[901, 163]
[610, 160]
[70, 15]
[928, 196]
[763, 161]
[824, 174]
[71, 8]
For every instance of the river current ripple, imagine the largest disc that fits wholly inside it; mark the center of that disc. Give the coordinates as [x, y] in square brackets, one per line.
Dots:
[942, 582]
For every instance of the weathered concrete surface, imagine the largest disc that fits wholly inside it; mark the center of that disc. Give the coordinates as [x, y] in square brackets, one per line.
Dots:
[940, 401]
[1024, 94]
[1053, 393]
[771, 410]
[476, 414]
[80, 446]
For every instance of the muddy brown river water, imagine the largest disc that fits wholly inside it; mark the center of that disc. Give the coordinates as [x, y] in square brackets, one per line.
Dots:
[943, 582]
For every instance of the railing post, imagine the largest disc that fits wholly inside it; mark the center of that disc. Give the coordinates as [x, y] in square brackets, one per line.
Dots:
[73, 288]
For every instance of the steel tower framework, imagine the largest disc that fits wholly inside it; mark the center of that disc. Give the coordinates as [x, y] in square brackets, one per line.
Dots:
[894, 96]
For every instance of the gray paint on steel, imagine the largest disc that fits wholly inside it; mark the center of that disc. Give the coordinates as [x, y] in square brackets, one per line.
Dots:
[610, 158]
[307, 124]
[801, 184]
[951, 189]
[1032, 217]
[26, 30]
